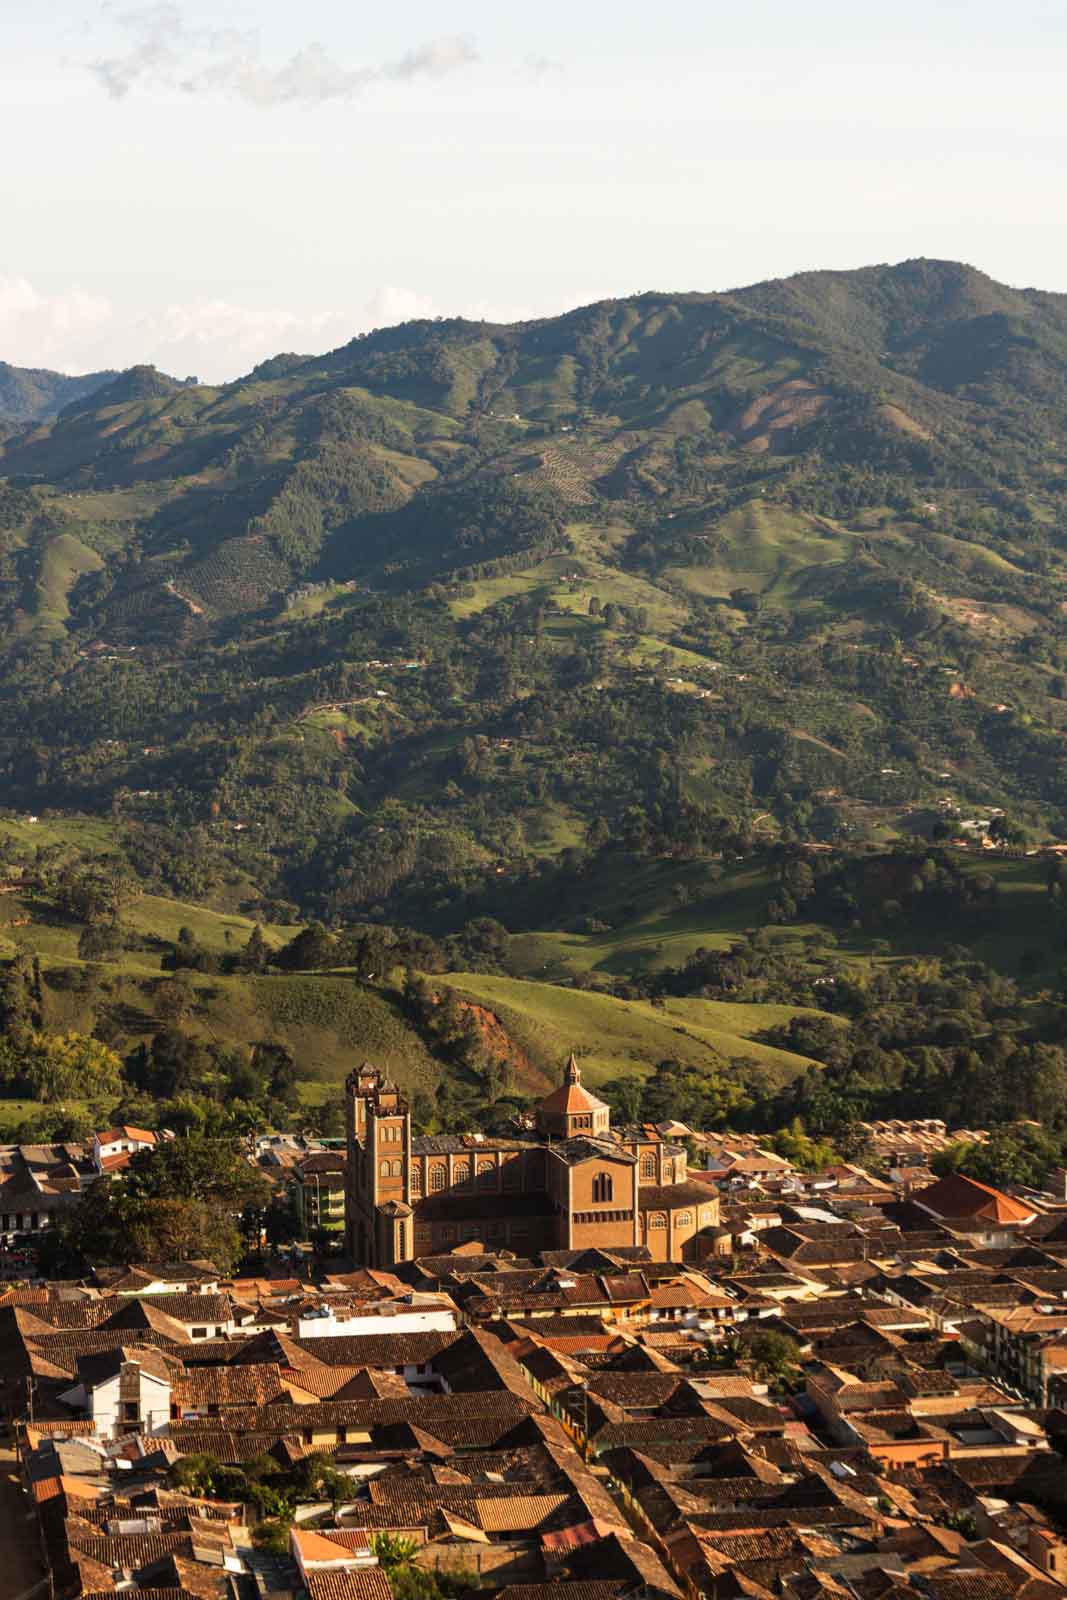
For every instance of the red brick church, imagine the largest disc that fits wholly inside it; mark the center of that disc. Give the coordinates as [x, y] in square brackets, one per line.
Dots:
[577, 1183]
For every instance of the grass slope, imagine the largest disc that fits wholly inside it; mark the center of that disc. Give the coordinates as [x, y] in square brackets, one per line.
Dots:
[620, 1038]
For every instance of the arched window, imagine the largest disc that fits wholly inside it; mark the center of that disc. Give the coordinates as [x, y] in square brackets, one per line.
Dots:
[383, 1169]
[684, 1219]
[657, 1220]
[648, 1166]
[485, 1174]
[416, 1179]
[397, 1169]
[603, 1188]
[463, 1172]
[437, 1179]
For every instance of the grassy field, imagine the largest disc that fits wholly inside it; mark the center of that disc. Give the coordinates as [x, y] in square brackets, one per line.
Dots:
[154, 914]
[622, 1037]
[89, 834]
[768, 548]
[27, 923]
[647, 928]
[64, 560]
[13, 1112]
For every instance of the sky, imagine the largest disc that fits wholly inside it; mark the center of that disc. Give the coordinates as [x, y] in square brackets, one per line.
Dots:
[203, 185]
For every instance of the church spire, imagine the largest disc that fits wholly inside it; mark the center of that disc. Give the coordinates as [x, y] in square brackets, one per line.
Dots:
[572, 1074]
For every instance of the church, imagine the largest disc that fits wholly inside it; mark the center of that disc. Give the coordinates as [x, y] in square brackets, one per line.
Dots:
[576, 1182]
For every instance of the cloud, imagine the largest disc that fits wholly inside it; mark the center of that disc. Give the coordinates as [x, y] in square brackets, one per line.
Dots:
[535, 68]
[74, 331]
[40, 330]
[163, 51]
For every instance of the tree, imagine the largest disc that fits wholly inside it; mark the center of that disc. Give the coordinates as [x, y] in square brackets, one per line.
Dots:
[394, 1552]
[1016, 1155]
[272, 1535]
[1004, 831]
[60, 1066]
[256, 953]
[173, 998]
[315, 1477]
[773, 1354]
[195, 1474]
[311, 948]
[180, 1201]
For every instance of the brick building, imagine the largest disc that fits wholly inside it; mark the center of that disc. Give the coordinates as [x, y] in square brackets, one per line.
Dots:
[577, 1183]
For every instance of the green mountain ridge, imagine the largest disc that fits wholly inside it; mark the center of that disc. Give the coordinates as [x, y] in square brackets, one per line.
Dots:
[384, 632]
[29, 394]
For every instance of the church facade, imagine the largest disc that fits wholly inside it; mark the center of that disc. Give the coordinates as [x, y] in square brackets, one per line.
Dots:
[574, 1183]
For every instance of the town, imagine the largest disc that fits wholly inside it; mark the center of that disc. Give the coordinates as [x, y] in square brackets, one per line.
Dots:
[587, 1362]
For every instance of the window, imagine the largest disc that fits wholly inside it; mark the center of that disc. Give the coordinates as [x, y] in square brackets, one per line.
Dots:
[603, 1188]
[463, 1172]
[486, 1170]
[396, 1169]
[416, 1179]
[684, 1219]
[657, 1220]
[383, 1169]
[437, 1179]
[648, 1166]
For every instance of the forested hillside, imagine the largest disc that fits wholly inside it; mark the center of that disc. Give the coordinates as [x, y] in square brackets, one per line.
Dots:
[29, 394]
[449, 623]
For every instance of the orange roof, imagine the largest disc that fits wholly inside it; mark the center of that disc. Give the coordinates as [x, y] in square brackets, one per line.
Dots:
[964, 1198]
[114, 1135]
[571, 1097]
[73, 1488]
[318, 1547]
[590, 1532]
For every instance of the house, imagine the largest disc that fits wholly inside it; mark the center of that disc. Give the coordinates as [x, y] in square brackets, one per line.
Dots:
[975, 1211]
[113, 1148]
[125, 1390]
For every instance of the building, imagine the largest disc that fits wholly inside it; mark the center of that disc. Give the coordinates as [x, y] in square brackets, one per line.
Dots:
[113, 1148]
[319, 1192]
[577, 1183]
[975, 1212]
[38, 1183]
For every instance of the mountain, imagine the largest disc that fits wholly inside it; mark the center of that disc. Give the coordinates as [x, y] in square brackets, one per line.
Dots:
[380, 634]
[29, 394]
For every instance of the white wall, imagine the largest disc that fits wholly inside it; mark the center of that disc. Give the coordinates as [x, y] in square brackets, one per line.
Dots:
[435, 1319]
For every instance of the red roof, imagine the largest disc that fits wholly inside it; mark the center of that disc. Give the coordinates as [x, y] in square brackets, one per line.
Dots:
[116, 1135]
[957, 1197]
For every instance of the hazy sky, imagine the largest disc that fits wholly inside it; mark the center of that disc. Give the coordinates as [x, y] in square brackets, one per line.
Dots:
[201, 185]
